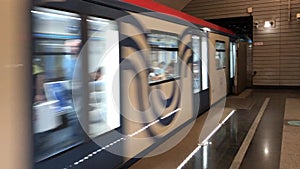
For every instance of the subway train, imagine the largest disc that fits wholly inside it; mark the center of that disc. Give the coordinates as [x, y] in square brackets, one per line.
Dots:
[103, 83]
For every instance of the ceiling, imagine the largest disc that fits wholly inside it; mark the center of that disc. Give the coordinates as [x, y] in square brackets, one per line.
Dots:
[242, 26]
[176, 4]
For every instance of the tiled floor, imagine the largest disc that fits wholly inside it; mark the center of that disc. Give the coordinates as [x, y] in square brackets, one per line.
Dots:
[173, 157]
[290, 149]
[265, 147]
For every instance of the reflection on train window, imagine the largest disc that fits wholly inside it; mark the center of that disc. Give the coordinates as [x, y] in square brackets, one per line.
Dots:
[163, 57]
[232, 59]
[56, 45]
[204, 59]
[103, 52]
[220, 55]
[196, 63]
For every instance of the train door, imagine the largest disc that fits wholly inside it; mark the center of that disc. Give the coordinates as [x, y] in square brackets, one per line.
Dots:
[218, 67]
[232, 63]
[200, 73]
[156, 81]
[241, 67]
[75, 104]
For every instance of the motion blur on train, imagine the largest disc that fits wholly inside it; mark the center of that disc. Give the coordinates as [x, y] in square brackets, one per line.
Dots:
[112, 80]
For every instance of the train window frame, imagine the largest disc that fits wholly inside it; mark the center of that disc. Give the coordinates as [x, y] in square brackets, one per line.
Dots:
[110, 122]
[56, 80]
[198, 63]
[162, 49]
[205, 61]
[233, 56]
[220, 55]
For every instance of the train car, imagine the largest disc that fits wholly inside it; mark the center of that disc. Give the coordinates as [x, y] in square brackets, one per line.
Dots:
[112, 80]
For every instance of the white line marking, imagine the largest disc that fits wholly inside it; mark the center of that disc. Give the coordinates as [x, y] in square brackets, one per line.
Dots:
[189, 157]
[154, 122]
[142, 129]
[205, 141]
[171, 113]
[227, 117]
[131, 135]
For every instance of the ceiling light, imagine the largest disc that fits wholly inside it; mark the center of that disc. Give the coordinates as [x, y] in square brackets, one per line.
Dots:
[269, 24]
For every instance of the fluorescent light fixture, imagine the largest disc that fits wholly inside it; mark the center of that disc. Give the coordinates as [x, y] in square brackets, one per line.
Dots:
[266, 151]
[269, 24]
[98, 20]
[55, 15]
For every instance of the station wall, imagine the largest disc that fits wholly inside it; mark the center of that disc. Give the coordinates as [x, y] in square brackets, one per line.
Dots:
[276, 58]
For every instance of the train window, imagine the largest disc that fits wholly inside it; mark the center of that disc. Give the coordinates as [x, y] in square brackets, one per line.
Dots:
[163, 57]
[232, 59]
[196, 63]
[57, 42]
[220, 55]
[204, 59]
[103, 54]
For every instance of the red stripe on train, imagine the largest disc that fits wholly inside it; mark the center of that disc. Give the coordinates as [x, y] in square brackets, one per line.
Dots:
[157, 7]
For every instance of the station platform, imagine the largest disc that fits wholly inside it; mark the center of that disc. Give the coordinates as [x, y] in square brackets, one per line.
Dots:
[256, 129]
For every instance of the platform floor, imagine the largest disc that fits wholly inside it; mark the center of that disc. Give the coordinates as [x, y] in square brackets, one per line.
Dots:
[257, 135]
